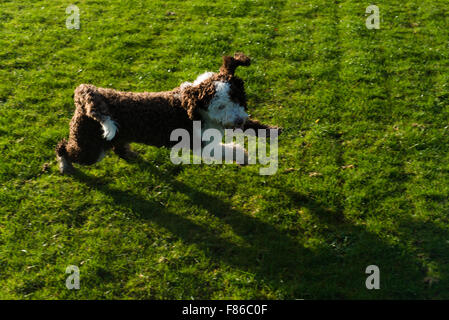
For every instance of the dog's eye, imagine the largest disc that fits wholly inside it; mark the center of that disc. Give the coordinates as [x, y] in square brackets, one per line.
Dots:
[221, 107]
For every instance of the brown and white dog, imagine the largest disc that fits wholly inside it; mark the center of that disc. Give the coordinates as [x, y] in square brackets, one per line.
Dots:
[108, 119]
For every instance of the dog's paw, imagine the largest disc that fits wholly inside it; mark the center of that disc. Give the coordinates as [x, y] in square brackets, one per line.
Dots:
[64, 166]
[109, 129]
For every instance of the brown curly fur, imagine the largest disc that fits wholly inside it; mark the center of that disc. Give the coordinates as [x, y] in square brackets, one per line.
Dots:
[144, 117]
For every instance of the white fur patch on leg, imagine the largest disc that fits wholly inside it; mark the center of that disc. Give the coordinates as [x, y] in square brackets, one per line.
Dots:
[109, 128]
[199, 80]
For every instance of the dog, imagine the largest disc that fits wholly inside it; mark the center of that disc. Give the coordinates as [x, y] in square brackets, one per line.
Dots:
[107, 119]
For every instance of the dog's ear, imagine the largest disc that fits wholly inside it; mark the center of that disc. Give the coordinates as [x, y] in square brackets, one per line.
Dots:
[231, 63]
[196, 97]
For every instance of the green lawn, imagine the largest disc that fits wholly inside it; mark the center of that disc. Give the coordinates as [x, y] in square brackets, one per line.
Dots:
[363, 173]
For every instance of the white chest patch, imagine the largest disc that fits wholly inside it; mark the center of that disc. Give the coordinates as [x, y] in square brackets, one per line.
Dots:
[109, 128]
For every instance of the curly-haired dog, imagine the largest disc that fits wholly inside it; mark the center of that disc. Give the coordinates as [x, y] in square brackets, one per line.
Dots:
[108, 119]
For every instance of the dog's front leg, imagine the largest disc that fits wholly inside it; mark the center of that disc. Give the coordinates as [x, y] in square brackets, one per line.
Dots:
[123, 150]
[256, 125]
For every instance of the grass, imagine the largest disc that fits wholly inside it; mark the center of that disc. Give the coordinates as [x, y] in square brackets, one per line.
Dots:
[363, 160]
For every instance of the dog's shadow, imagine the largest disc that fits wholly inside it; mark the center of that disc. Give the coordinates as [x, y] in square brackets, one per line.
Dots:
[277, 258]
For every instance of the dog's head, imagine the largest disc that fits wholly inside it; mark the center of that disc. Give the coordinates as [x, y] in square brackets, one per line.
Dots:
[218, 97]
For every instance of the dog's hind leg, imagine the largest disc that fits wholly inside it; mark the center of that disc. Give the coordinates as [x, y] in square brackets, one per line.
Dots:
[85, 146]
[88, 99]
[62, 156]
[65, 158]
